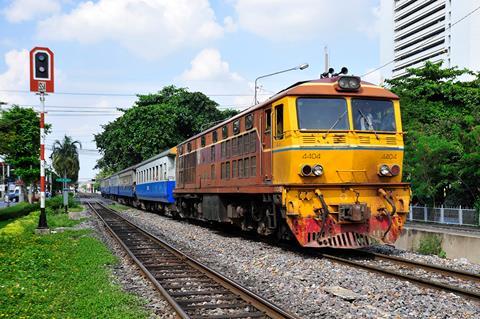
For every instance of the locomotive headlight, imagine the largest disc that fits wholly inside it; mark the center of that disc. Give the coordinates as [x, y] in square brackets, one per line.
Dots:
[384, 170]
[306, 170]
[348, 83]
[317, 170]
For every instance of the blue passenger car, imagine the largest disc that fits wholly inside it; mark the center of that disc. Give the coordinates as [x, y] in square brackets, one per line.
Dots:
[155, 179]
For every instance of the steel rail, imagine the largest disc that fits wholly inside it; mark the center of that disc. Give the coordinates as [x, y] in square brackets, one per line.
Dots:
[268, 309]
[415, 279]
[447, 271]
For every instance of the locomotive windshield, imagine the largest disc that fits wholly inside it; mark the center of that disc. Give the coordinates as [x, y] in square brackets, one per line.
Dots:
[322, 114]
[373, 115]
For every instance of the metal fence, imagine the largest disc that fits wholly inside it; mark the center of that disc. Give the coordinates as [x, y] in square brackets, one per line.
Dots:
[444, 215]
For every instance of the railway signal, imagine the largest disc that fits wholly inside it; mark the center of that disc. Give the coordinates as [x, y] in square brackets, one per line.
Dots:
[41, 82]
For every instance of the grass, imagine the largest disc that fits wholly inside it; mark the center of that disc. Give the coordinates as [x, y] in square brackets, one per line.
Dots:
[431, 245]
[118, 207]
[62, 275]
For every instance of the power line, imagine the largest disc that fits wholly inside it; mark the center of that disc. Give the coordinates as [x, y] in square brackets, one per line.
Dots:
[120, 94]
[425, 43]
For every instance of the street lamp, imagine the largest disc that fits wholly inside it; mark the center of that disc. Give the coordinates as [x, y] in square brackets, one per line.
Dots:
[298, 67]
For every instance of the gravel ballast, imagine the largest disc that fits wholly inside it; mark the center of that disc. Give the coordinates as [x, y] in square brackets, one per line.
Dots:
[308, 286]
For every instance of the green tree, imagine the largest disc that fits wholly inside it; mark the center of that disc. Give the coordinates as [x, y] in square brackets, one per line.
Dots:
[441, 115]
[155, 123]
[20, 142]
[65, 158]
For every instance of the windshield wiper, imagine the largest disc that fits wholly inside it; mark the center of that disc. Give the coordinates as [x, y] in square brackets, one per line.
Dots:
[369, 123]
[334, 124]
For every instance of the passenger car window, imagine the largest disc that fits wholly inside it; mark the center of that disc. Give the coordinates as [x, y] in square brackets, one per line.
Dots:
[236, 126]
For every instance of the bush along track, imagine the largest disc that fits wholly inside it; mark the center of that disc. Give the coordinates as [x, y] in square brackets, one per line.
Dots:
[61, 275]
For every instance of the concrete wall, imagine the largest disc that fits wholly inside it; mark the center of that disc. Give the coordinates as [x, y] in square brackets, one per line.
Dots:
[455, 245]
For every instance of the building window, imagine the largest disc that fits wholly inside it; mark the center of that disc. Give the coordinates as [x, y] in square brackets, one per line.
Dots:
[203, 141]
[236, 126]
[214, 136]
[253, 166]
[225, 131]
[249, 121]
[234, 169]
[279, 122]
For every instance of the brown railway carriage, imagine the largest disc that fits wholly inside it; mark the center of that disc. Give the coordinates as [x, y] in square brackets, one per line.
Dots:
[255, 169]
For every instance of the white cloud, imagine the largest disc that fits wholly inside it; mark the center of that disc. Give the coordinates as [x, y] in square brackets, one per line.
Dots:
[16, 76]
[208, 65]
[24, 10]
[149, 28]
[286, 20]
[209, 73]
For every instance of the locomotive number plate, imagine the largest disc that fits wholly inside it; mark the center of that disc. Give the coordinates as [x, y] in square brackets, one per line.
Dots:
[389, 156]
[311, 156]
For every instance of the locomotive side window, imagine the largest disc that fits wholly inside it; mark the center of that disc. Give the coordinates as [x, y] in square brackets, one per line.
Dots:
[225, 131]
[203, 141]
[279, 121]
[214, 136]
[212, 171]
[322, 114]
[248, 121]
[234, 147]
[227, 171]
[268, 120]
[373, 115]
[236, 126]
[212, 153]
[253, 142]
[234, 169]
[253, 166]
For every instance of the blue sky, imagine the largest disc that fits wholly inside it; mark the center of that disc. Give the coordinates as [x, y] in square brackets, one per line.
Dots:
[138, 46]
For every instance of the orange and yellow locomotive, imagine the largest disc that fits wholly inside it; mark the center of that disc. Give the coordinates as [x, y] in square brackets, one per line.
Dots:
[320, 161]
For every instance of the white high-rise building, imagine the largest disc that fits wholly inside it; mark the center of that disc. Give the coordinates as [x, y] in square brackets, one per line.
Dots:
[416, 31]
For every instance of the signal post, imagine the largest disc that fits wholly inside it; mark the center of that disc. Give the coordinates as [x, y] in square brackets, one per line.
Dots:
[42, 82]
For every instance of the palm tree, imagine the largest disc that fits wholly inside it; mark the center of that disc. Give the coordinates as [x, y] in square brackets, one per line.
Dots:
[65, 157]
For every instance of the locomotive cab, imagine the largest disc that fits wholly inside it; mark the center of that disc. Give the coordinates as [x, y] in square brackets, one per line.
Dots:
[342, 142]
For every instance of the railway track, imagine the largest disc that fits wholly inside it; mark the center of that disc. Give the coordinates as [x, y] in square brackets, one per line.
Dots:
[450, 280]
[192, 289]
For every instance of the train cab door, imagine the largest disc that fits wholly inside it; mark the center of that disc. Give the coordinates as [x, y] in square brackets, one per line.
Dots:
[267, 144]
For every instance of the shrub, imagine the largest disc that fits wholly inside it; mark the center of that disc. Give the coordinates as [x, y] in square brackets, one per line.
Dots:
[20, 209]
[431, 245]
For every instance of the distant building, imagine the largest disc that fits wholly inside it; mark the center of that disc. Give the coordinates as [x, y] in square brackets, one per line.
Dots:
[416, 31]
